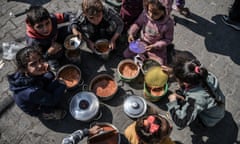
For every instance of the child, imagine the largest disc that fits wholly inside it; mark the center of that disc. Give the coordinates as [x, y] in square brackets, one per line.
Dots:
[97, 22]
[130, 10]
[199, 96]
[156, 31]
[34, 87]
[42, 30]
[151, 129]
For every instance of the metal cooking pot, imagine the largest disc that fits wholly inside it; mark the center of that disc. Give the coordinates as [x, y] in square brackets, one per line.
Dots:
[120, 69]
[77, 77]
[72, 42]
[103, 79]
[102, 48]
[109, 135]
[134, 106]
[84, 106]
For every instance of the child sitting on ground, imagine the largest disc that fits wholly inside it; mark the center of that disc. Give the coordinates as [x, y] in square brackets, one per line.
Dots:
[42, 30]
[97, 22]
[151, 129]
[156, 31]
[199, 97]
[34, 87]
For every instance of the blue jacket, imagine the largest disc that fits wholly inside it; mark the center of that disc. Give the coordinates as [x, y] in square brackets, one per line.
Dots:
[31, 94]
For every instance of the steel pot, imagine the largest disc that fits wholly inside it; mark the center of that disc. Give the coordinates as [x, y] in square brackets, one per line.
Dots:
[71, 75]
[72, 42]
[103, 86]
[84, 106]
[109, 135]
[134, 106]
[128, 65]
[73, 56]
[102, 48]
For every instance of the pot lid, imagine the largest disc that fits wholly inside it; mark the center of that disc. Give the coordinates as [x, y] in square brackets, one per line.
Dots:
[155, 77]
[134, 106]
[137, 46]
[84, 106]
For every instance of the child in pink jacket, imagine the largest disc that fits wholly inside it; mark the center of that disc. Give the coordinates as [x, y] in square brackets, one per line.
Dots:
[156, 31]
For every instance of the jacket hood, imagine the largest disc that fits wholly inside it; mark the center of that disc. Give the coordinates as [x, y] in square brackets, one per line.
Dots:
[18, 81]
[32, 33]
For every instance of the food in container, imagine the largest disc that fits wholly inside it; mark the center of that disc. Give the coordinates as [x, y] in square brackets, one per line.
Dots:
[72, 42]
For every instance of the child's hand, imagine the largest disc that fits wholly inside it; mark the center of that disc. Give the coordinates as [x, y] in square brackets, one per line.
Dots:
[46, 66]
[167, 69]
[149, 47]
[112, 45]
[174, 97]
[77, 33]
[91, 45]
[95, 130]
[55, 47]
[130, 38]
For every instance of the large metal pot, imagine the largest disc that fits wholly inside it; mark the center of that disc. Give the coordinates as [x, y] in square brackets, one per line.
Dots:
[103, 86]
[102, 48]
[134, 106]
[71, 75]
[84, 106]
[128, 70]
[109, 135]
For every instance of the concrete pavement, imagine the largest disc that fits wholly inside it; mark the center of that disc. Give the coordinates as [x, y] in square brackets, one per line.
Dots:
[216, 45]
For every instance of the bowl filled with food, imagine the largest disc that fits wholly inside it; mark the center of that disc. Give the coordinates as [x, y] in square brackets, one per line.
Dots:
[102, 48]
[128, 70]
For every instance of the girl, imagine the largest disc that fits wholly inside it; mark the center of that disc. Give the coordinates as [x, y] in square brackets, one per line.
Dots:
[199, 96]
[151, 129]
[97, 22]
[34, 87]
[156, 29]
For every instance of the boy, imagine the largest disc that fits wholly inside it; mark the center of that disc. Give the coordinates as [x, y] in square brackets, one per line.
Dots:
[42, 30]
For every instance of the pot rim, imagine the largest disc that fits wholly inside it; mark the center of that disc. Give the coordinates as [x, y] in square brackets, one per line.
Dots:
[99, 76]
[127, 61]
[156, 97]
[102, 53]
[66, 66]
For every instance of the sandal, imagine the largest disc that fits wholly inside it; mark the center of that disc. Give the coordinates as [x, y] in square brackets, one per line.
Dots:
[56, 115]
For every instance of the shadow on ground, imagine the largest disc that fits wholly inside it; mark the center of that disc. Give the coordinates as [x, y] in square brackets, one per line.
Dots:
[32, 2]
[219, 38]
[225, 132]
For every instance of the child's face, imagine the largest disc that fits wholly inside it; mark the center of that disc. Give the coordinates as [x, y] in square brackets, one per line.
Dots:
[44, 28]
[96, 19]
[36, 65]
[154, 13]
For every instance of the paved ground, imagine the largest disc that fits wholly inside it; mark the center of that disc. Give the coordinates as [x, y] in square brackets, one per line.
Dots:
[215, 45]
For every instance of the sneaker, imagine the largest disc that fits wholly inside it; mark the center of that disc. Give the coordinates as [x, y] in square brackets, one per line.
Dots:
[182, 10]
[56, 115]
[233, 24]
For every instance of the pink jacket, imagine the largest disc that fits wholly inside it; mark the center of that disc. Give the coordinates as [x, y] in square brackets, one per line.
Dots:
[159, 33]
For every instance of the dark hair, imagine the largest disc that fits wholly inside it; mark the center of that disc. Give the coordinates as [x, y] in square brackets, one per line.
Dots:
[37, 14]
[193, 73]
[23, 57]
[92, 7]
[145, 136]
[158, 4]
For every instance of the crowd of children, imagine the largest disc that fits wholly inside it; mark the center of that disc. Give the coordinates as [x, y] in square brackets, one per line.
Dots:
[38, 93]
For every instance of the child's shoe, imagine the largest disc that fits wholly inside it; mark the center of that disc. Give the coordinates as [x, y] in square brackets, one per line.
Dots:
[231, 23]
[182, 10]
[55, 115]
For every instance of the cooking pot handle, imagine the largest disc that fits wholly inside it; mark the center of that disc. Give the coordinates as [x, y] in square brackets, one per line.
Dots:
[120, 82]
[128, 93]
[139, 61]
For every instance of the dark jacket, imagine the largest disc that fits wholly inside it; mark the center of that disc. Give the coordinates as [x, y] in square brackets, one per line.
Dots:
[33, 38]
[32, 94]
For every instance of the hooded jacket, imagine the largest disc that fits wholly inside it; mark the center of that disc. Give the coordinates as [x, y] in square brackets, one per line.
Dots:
[31, 94]
[199, 103]
[33, 38]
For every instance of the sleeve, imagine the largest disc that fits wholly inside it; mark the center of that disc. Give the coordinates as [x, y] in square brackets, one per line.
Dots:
[75, 137]
[49, 96]
[167, 35]
[186, 113]
[116, 19]
[74, 20]
[63, 17]
[137, 24]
